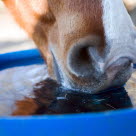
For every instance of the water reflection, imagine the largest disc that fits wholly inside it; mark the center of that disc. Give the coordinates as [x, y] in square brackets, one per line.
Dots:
[52, 99]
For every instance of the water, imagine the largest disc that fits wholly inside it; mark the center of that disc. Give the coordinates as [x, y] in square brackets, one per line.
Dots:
[17, 83]
[32, 82]
[53, 99]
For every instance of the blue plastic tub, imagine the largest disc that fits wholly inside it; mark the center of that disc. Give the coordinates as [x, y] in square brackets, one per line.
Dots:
[114, 123]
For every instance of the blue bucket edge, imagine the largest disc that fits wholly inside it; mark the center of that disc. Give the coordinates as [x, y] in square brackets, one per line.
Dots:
[119, 120]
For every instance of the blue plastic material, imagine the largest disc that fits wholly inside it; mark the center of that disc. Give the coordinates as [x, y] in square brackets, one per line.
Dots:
[113, 123]
[21, 58]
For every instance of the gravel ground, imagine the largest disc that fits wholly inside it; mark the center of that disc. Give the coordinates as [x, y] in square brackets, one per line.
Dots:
[131, 88]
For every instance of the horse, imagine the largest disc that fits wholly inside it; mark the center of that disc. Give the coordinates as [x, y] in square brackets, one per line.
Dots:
[88, 45]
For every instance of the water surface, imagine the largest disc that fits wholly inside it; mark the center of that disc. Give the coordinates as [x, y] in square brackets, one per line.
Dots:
[33, 82]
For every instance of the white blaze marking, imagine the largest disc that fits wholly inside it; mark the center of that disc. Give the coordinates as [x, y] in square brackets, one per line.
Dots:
[118, 27]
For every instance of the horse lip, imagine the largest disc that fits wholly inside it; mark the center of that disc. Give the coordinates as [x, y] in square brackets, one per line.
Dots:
[120, 62]
[120, 65]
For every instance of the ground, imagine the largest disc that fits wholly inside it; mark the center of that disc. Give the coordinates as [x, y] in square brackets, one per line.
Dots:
[12, 37]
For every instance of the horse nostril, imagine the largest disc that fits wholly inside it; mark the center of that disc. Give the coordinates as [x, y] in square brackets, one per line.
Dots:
[83, 55]
[79, 61]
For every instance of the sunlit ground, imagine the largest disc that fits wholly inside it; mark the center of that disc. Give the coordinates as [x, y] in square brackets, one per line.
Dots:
[12, 37]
